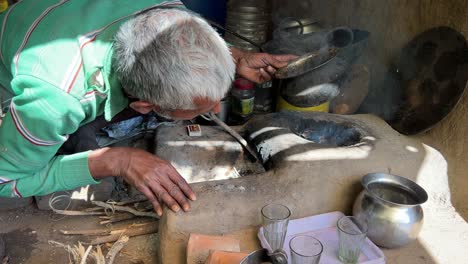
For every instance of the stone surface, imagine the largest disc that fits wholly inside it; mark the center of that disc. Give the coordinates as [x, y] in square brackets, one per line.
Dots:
[321, 180]
[199, 247]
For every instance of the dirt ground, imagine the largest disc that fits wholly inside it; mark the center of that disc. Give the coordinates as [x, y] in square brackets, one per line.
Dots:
[27, 232]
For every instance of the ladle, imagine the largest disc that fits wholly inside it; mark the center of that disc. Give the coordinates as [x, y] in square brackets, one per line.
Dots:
[234, 134]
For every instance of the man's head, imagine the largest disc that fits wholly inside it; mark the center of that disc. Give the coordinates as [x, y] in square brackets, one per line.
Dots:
[172, 61]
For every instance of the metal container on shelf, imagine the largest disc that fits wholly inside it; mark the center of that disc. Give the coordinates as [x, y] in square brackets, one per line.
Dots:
[250, 19]
[299, 26]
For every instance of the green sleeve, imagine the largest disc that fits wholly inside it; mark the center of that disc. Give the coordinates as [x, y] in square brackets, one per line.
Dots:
[40, 119]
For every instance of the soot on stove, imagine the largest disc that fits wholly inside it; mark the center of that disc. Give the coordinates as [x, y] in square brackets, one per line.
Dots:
[329, 133]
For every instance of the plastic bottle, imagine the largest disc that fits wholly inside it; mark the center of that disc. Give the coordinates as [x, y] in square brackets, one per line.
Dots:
[242, 96]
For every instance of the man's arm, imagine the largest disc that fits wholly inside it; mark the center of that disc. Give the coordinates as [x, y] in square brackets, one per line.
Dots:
[40, 119]
[154, 177]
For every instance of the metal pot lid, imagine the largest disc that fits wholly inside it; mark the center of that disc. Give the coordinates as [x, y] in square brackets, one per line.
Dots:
[431, 75]
[290, 22]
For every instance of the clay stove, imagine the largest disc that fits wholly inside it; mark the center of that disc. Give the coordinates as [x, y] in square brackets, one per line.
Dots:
[314, 163]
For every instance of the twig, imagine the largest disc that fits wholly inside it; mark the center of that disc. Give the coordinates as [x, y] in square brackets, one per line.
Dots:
[132, 201]
[107, 231]
[76, 251]
[92, 232]
[125, 209]
[69, 212]
[116, 218]
[98, 256]
[93, 209]
[85, 256]
[141, 229]
[116, 249]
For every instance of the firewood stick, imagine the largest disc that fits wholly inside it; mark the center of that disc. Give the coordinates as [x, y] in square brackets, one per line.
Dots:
[92, 209]
[107, 231]
[117, 218]
[132, 201]
[76, 213]
[149, 228]
[92, 232]
[125, 209]
[116, 249]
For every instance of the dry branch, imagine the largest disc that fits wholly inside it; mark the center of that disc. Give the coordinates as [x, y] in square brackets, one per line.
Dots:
[116, 249]
[132, 201]
[135, 230]
[125, 209]
[74, 213]
[107, 231]
[116, 218]
[85, 256]
[91, 232]
[98, 256]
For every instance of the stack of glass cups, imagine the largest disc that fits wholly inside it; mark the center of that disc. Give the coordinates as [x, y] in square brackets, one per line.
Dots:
[306, 249]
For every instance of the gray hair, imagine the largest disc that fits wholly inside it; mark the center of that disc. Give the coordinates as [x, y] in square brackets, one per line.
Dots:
[168, 57]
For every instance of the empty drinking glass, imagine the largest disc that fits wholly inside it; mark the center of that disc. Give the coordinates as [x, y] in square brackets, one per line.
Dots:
[275, 224]
[352, 233]
[305, 250]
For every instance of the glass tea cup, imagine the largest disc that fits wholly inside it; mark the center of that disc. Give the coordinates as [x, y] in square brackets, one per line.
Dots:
[275, 219]
[305, 249]
[352, 233]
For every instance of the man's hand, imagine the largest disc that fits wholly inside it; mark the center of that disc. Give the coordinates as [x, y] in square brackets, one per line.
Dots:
[154, 177]
[258, 67]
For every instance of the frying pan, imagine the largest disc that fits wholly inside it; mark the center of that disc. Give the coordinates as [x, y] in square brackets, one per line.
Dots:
[432, 75]
[334, 40]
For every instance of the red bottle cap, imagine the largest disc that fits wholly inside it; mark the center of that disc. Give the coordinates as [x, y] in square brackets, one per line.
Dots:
[243, 84]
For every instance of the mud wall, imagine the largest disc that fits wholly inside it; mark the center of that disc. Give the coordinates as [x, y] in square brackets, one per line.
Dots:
[392, 25]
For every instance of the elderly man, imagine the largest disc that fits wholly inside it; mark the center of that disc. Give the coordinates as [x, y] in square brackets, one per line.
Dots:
[69, 62]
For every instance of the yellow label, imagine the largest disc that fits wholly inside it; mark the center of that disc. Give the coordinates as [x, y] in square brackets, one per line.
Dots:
[283, 105]
[3, 5]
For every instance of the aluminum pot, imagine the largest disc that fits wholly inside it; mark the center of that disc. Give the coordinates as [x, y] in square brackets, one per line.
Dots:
[299, 25]
[392, 206]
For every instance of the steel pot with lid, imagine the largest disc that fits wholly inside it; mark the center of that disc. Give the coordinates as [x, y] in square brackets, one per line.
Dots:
[299, 25]
[392, 206]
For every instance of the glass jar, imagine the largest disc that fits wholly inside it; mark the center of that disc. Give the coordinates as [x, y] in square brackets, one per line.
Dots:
[242, 99]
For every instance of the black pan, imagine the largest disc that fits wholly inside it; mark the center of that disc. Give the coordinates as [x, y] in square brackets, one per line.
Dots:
[432, 71]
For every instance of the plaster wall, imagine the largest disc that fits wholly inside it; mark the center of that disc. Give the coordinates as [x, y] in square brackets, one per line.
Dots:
[392, 25]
